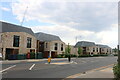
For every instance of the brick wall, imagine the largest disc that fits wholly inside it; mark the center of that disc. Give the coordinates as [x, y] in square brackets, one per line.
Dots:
[7, 41]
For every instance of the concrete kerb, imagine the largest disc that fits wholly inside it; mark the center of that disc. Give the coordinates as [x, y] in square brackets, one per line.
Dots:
[30, 60]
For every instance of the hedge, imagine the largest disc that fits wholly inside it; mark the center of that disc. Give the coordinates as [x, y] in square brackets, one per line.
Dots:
[115, 54]
[116, 71]
[65, 55]
[94, 55]
[83, 55]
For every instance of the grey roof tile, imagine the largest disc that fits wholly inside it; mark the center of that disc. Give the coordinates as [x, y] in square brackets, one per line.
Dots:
[102, 46]
[8, 27]
[46, 37]
[84, 44]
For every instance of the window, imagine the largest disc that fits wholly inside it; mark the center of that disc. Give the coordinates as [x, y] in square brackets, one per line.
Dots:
[93, 49]
[107, 50]
[88, 49]
[16, 41]
[29, 40]
[55, 46]
[46, 45]
[102, 49]
[97, 49]
[61, 47]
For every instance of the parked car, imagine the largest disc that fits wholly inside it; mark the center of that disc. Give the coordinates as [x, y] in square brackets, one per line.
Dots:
[0, 56]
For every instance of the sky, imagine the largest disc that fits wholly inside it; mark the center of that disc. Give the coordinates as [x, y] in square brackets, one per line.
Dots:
[85, 20]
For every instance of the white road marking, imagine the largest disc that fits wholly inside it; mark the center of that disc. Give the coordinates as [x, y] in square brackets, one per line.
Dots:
[31, 67]
[71, 62]
[75, 62]
[7, 68]
[46, 63]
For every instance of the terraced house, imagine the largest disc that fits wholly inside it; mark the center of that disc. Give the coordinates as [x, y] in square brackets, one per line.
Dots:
[15, 39]
[92, 48]
[49, 45]
[104, 49]
[87, 47]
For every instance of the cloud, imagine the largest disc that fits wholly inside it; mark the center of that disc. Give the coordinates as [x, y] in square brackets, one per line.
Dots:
[92, 16]
[4, 9]
[109, 37]
[68, 34]
[93, 21]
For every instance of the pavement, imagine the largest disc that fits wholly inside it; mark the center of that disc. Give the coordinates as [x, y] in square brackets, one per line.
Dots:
[102, 73]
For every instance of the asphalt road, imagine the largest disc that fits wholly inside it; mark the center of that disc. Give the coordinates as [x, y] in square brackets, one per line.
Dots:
[40, 69]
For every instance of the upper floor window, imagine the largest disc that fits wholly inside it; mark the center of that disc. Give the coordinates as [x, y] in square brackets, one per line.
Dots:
[56, 45]
[29, 40]
[97, 49]
[46, 45]
[102, 49]
[16, 41]
[61, 47]
[107, 50]
[93, 49]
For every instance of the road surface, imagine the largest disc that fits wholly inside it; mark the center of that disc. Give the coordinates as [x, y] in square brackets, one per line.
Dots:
[57, 68]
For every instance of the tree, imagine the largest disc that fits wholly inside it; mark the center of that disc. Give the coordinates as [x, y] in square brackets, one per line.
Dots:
[79, 51]
[67, 49]
[115, 50]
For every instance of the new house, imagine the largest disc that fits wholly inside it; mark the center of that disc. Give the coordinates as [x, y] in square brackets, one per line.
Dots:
[92, 48]
[87, 47]
[15, 39]
[49, 45]
[104, 49]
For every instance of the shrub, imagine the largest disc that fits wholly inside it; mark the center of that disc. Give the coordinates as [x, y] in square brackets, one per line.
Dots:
[94, 55]
[73, 55]
[59, 56]
[67, 55]
[104, 55]
[84, 55]
[116, 71]
[115, 54]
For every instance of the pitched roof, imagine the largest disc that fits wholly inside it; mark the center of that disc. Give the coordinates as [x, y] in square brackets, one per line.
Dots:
[84, 44]
[46, 37]
[102, 46]
[8, 27]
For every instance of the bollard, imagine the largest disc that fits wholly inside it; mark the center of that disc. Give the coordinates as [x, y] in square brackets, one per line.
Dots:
[69, 58]
[49, 59]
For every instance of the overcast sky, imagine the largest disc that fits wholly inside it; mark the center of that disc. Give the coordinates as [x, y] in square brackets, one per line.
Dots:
[88, 21]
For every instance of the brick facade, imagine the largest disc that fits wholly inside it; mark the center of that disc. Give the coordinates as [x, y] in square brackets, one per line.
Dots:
[7, 42]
